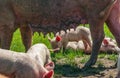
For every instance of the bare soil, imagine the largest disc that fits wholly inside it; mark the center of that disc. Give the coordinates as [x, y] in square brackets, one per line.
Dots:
[105, 69]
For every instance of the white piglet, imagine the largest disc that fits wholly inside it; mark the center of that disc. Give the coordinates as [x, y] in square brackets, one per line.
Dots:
[26, 65]
[62, 38]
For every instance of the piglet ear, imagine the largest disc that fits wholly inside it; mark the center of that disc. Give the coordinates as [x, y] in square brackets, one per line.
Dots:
[105, 41]
[58, 38]
[50, 66]
[49, 74]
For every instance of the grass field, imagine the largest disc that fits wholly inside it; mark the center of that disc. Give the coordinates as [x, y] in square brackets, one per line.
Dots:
[66, 64]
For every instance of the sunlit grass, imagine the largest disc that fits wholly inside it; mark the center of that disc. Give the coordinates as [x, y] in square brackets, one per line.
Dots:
[17, 44]
[107, 32]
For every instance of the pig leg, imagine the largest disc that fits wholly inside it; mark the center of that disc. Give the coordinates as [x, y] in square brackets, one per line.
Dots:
[6, 37]
[7, 26]
[97, 34]
[26, 34]
[6, 40]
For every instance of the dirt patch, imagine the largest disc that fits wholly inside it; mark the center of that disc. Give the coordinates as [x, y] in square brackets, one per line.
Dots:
[104, 68]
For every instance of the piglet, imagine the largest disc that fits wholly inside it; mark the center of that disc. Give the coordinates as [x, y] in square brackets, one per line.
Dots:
[42, 55]
[62, 38]
[26, 65]
[109, 45]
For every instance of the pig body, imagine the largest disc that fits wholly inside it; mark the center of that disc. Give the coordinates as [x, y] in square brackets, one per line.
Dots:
[23, 65]
[54, 15]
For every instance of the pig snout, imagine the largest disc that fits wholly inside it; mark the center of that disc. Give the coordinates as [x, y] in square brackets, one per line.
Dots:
[49, 74]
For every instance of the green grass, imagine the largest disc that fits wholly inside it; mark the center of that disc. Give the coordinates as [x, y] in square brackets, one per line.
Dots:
[70, 59]
[107, 32]
[40, 38]
[16, 44]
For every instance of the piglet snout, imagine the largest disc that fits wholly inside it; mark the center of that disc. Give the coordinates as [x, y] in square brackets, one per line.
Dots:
[49, 74]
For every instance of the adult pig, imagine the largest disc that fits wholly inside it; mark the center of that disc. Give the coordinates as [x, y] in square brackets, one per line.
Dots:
[53, 15]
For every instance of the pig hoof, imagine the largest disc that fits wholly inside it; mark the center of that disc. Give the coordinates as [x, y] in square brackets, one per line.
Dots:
[89, 63]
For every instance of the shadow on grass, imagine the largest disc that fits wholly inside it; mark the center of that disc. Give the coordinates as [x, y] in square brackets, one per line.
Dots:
[76, 72]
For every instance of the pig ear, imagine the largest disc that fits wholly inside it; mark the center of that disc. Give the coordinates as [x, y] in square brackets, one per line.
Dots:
[49, 74]
[105, 41]
[50, 66]
[58, 38]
